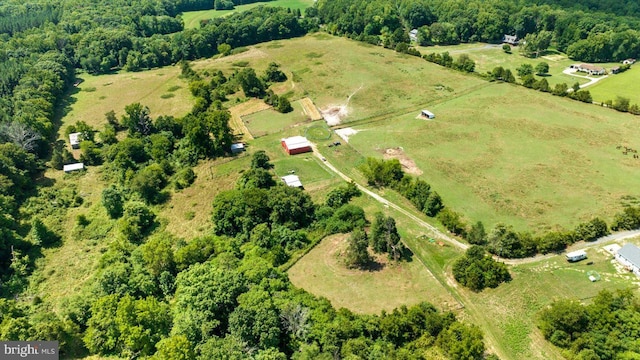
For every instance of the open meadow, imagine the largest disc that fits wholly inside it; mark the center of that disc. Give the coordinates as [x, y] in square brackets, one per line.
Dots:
[192, 18]
[489, 56]
[162, 90]
[626, 84]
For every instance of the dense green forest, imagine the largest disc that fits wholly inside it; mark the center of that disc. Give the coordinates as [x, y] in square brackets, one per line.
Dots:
[223, 294]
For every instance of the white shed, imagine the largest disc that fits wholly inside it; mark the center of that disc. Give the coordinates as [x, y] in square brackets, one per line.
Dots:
[237, 148]
[292, 180]
[73, 167]
[428, 114]
[74, 140]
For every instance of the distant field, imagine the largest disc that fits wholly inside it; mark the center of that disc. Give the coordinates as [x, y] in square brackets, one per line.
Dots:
[99, 94]
[192, 18]
[329, 69]
[508, 154]
[322, 273]
[626, 85]
[488, 56]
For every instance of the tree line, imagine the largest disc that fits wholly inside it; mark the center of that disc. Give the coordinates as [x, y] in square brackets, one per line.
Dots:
[585, 35]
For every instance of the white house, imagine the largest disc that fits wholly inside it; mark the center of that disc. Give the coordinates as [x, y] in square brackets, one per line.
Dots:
[629, 256]
[590, 69]
[74, 140]
[510, 39]
[428, 114]
[292, 180]
[576, 255]
[413, 35]
[73, 167]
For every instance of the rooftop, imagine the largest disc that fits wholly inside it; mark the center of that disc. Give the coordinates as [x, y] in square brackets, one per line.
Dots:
[296, 142]
[631, 253]
[292, 180]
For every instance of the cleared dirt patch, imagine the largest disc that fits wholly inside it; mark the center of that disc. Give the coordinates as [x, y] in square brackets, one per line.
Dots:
[334, 114]
[345, 133]
[408, 165]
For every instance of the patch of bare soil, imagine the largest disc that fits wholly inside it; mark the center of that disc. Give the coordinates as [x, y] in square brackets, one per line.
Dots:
[334, 114]
[408, 165]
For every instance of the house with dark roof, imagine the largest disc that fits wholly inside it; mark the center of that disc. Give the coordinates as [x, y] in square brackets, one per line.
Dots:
[629, 256]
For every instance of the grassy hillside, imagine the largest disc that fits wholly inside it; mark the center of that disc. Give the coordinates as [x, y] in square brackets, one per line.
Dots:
[192, 18]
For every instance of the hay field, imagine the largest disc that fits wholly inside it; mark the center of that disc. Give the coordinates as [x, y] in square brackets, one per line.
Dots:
[368, 80]
[192, 18]
[512, 155]
[160, 89]
[322, 273]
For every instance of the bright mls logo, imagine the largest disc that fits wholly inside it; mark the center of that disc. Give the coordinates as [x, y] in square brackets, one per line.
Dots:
[32, 350]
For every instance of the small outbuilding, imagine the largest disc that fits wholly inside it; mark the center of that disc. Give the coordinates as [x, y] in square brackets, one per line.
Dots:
[413, 35]
[576, 256]
[73, 167]
[629, 61]
[74, 140]
[428, 114]
[629, 256]
[510, 39]
[292, 181]
[615, 69]
[296, 145]
[237, 148]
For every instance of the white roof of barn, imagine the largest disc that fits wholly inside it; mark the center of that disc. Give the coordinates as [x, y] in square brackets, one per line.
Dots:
[292, 180]
[73, 167]
[296, 142]
[576, 253]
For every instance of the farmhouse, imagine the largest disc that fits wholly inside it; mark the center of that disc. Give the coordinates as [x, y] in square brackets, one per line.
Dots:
[629, 61]
[576, 255]
[590, 69]
[292, 180]
[73, 167]
[413, 35]
[629, 256]
[428, 114]
[296, 145]
[237, 148]
[510, 39]
[74, 140]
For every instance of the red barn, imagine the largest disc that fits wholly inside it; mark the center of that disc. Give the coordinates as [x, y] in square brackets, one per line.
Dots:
[296, 145]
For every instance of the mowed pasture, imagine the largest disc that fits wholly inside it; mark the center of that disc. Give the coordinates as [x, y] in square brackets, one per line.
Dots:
[512, 155]
[162, 90]
[489, 56]
[270, 121]
[373, 81]
[322, 272]
[626, 84]
[192, 18]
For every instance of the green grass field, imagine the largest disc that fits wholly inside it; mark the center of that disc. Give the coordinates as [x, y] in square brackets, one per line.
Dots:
[192, 18]
[270, 121]
[487, 57]
[626, 84]
[508, 154]
[322, 273]
[99, 94]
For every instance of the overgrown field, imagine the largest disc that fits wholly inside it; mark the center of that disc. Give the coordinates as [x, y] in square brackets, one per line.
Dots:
[192, 18]
[161, 90]
[626, 84]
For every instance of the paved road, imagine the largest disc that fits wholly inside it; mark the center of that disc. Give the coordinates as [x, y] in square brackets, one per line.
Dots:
[437, 234]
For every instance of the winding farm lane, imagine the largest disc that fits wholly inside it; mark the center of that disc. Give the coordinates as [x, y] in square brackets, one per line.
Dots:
[442, 236]
[436, 233]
